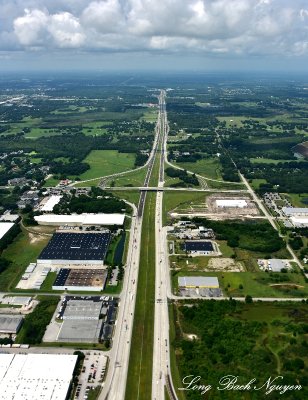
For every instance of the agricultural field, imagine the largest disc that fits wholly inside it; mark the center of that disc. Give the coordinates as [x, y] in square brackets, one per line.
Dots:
[209, 337]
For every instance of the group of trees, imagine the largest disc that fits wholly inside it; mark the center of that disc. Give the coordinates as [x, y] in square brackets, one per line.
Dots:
[230, 343]
[189, 179]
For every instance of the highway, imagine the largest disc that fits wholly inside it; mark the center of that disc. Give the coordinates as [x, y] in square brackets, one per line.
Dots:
[115, 384]
[161, 374]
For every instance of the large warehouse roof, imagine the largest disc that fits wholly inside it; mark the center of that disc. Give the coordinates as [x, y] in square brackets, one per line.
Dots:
[299, 221]
[295, 211]
[81, 219]
[76, 246]
[240, 203]
[35, 376]
[4, 228]
[198, 281]
[198, 245]
[51, 202]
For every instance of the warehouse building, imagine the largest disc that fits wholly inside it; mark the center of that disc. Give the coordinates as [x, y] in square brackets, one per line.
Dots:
[48, 203]
[81, 219]
[199, 247]
[297, 216]
[80, 279]
[194, 282]
[76, 248]
[36, 376]
[10, 324]
[235, 203]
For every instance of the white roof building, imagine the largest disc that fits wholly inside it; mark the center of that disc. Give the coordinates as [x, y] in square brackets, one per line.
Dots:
[81, 219]
[198, 282]
[295, 211]
[35, 376]
[299, 222]
[5, 227]
[50, 203]
[238, 203]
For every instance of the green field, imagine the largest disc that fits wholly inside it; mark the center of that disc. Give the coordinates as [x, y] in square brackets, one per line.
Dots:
[133, 178]
[297, 200]
[25, 249]
[107, 162]
[207, 167]
[141, 356]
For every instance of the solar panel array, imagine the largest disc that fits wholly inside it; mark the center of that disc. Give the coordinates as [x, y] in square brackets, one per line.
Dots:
[198, 245]
[76, 246]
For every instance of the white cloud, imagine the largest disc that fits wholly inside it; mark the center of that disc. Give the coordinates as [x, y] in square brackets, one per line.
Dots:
[217, 26]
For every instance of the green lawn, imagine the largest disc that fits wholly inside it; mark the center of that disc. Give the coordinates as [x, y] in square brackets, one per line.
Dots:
[141, 356]
[25, 249]
[297, 200]
[207, 167]
[51, 182]
[107, 162]
[262, 160]
[134, 178]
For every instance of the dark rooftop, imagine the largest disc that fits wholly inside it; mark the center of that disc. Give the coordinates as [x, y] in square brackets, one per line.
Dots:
[198, 245]
[76, 246]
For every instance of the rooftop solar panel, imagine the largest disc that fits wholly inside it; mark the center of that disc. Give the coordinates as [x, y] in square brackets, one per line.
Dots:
[76, 246]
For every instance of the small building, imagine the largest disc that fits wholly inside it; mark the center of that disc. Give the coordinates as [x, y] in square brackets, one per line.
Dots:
[199, 247]
[194, 282]
[80, 279]
[10, 324]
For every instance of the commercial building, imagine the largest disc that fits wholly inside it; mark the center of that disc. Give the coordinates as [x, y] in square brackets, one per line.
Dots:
[81, 219]
[76, 248]
[47, 206]
[10, 324]
[297, 215]
[295, 211]
[194, 282]
[81, 320]
[36, 376]
[80, 279]
[274, 264]
[4, 228]
[235, 203]
[199, 247]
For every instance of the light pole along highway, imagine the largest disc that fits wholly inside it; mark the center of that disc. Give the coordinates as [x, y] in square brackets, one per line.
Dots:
[115, 384]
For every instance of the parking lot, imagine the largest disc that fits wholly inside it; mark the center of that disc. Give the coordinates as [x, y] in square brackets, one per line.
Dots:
[92, 374]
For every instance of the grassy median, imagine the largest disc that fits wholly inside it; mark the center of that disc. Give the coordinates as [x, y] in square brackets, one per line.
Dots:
[139, 379]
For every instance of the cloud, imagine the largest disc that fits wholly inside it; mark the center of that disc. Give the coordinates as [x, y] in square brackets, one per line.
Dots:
[208, 26]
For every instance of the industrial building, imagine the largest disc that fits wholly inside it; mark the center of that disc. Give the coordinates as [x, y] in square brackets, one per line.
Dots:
[4, 228]
[48, 203]
[199, 247]
[86, 319]
[10, 324]
[76, 248]
[235, 203]
[298, 216]
[36, 376]
[193, 282]
[80, 279]
[81, 219]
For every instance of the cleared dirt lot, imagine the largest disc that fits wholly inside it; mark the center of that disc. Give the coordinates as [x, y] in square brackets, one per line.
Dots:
[224, 264]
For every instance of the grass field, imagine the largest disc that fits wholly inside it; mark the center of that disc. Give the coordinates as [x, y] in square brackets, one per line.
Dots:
[129, 195]
[255, 284]
[297, 200]
[134, 178]
[107, 162]
[262, 160]
[141, 356]
[208, 167]
[51, 182]
[25, 249]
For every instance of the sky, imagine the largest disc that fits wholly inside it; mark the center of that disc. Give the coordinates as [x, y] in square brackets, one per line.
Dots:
[154, 34]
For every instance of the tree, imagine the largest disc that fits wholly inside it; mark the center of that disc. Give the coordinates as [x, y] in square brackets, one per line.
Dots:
[248, 299]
